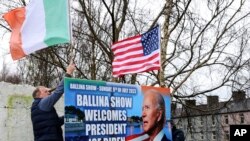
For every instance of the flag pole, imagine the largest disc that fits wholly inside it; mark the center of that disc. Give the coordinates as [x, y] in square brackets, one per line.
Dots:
[71, 44]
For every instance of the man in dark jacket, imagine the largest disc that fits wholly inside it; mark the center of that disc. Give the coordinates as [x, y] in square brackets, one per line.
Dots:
[177, 134]
[45, 120]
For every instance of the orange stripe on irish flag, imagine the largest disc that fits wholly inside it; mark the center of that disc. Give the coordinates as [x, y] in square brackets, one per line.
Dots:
[42, 23]
[15, 19]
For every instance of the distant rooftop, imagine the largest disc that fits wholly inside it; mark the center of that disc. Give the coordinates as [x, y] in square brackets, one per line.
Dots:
[238, 103]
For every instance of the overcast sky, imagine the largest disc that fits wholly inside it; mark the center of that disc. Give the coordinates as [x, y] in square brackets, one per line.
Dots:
[5, 56]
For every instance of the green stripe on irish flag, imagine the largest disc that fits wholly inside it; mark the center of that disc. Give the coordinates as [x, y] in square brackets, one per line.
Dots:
[40, 24]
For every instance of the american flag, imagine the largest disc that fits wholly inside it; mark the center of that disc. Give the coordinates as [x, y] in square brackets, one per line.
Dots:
[136, 54]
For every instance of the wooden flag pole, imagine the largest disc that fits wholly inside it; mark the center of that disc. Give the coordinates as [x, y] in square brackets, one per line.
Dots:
[72, 46]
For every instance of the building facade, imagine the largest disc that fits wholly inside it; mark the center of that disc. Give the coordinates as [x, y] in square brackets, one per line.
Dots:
[211, 122]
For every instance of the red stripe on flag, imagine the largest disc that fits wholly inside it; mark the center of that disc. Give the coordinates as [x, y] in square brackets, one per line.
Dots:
[117, 46]
[126, 58]
[128, 51]
[136, 62]
[145, 68]
[127, 39]
[15, 19]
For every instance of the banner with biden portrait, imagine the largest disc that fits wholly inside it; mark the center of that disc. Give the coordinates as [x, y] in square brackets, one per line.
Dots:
[107, 111]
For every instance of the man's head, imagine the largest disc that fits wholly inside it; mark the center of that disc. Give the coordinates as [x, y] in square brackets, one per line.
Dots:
[153, 112]
[41, 92]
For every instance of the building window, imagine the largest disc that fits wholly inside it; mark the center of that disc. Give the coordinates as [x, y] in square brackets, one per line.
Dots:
[192, 137]
[213, 135]
[201, 119]
[213, 121]
[180, 124]
[190, 125]
[227, 135]
[242, 118]
[226, 119]
[202, 135]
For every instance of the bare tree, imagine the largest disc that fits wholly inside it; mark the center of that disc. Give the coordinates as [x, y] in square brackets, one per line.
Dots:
[201, 51]
[206, 45]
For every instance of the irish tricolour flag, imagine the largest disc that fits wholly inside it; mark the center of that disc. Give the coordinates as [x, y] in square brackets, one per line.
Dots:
[40, 24]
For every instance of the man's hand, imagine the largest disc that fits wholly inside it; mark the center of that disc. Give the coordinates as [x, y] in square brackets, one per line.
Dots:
[71, 67]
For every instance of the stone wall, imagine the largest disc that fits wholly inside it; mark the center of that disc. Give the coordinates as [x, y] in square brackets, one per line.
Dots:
[15, 103]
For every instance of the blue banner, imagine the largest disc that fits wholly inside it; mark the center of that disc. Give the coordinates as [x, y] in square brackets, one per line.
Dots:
[106, 111]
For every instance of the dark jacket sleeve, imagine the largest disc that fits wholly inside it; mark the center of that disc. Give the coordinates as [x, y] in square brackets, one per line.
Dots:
[48, 102]
[61, 120]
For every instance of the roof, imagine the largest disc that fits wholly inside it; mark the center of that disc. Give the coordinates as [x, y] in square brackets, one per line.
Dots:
[219, 108]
